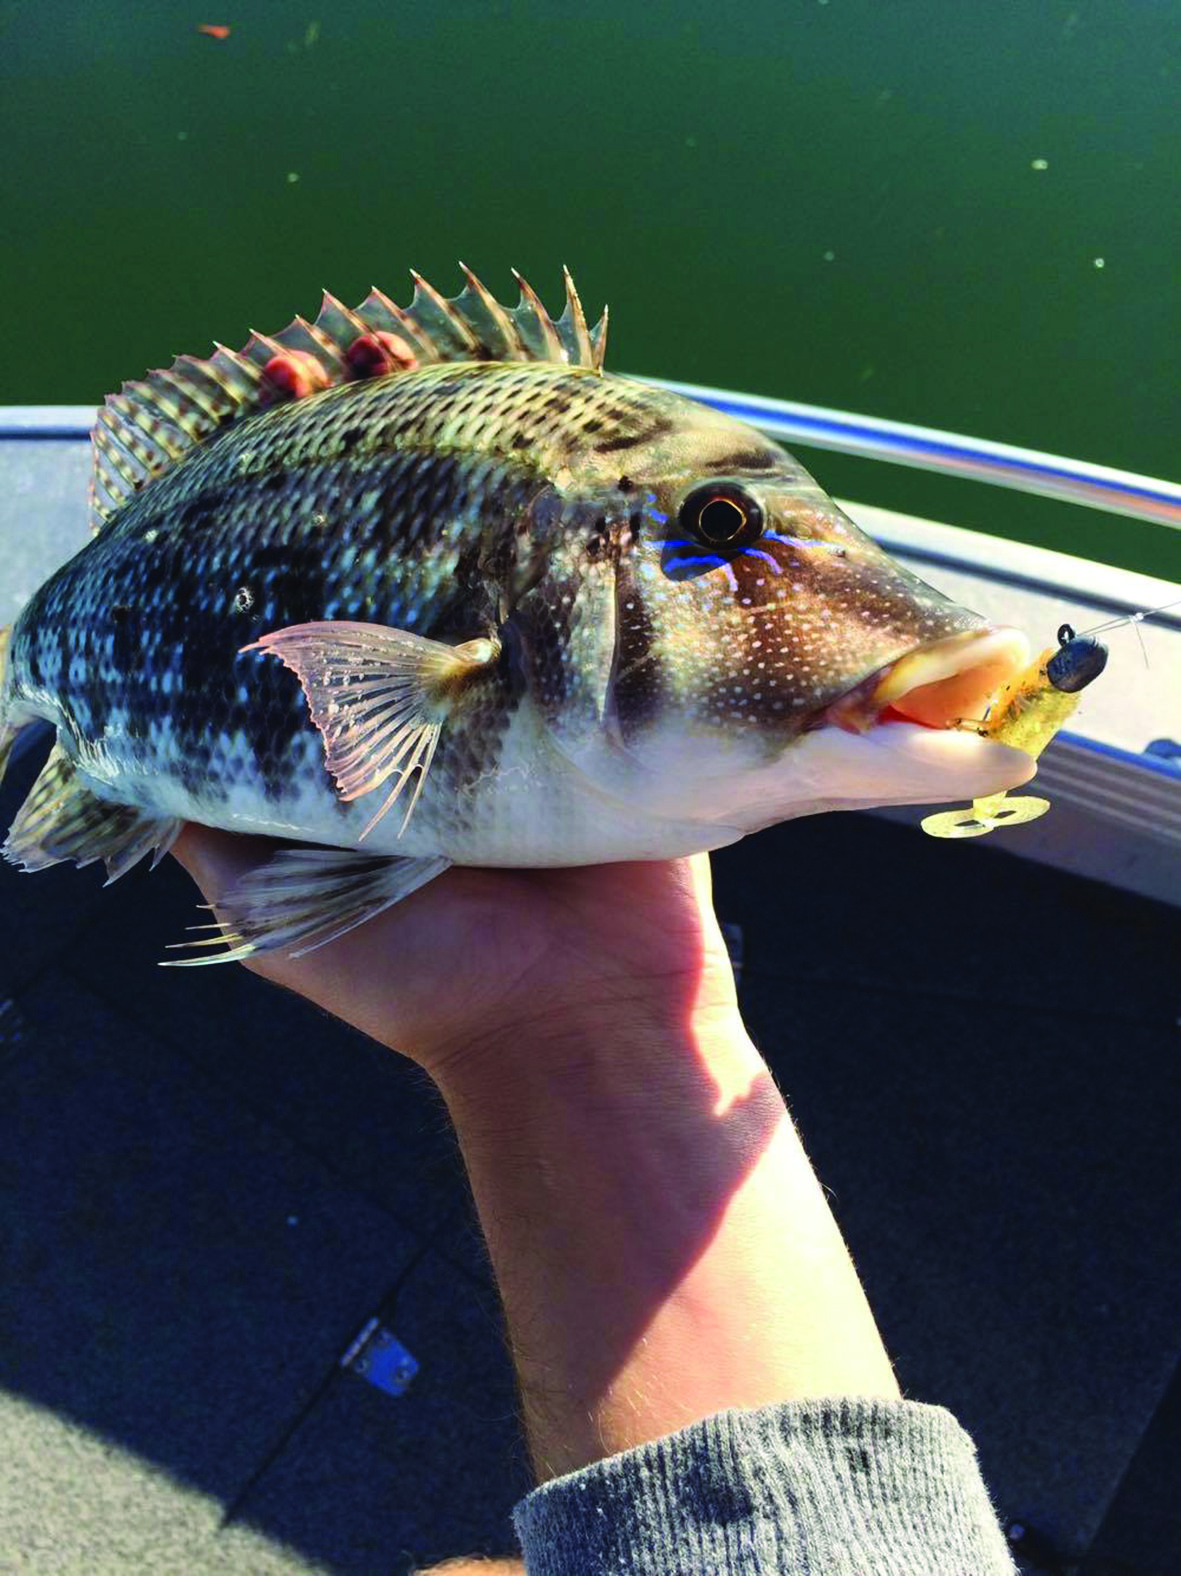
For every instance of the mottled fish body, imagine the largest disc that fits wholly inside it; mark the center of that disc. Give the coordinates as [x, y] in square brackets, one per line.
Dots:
[430, 587]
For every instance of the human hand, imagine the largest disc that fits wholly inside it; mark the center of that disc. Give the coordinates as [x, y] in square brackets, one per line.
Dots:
[652, 1220]
[480, 962]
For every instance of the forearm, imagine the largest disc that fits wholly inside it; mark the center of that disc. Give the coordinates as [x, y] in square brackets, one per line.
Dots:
[662, 1246]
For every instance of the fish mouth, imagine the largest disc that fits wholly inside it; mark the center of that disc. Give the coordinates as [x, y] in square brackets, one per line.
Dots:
[948, 684]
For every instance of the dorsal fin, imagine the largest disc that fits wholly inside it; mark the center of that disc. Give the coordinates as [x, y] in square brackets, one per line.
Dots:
[152, 422]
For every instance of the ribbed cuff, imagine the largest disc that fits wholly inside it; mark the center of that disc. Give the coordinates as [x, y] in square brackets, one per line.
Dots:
[828, 1488]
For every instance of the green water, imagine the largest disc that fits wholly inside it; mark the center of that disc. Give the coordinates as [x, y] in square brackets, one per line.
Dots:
[833, 202]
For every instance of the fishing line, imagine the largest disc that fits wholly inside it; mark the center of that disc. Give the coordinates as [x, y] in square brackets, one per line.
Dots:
[1136, 620]
[1131, 618]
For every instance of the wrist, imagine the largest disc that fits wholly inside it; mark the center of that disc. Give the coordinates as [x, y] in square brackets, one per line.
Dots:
[643, 1044]
[662, 1247]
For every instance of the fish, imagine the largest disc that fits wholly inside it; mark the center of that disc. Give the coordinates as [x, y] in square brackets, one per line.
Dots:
[413, 587]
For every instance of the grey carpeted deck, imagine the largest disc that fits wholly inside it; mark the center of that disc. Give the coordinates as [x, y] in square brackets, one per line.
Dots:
[207, 1188]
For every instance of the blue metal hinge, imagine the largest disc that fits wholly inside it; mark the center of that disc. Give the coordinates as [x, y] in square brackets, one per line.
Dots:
[1165, 750]
[378, 1356]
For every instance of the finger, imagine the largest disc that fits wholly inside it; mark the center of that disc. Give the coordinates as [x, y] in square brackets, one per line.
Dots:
[217, 859]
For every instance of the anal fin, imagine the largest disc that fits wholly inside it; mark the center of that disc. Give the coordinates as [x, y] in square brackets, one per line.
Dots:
[64, 819]
[303, 898]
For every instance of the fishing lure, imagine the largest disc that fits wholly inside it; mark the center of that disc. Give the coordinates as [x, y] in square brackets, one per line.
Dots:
[1030, 710]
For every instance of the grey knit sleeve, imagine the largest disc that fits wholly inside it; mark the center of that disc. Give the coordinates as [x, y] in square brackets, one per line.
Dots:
[814, 1488]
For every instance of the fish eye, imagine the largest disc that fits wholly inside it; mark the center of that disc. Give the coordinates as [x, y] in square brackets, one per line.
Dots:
[721, 515]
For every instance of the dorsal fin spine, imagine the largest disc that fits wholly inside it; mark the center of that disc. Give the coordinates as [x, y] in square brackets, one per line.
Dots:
[138, 435]
[239, 372]
[599, 342]
[261, 347]
[327, 348]
[116, 455]
[576, 319]
[504, 323]
[378, 311]
[426, 295]
[167, 396]
[226, 397]
[331, 308]
[153, 422]
[541, 320]
[201, 386]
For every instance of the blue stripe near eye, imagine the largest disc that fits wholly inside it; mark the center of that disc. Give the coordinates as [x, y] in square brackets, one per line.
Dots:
[686, 568]
[753, 552]
[799, 541]
[690, 563]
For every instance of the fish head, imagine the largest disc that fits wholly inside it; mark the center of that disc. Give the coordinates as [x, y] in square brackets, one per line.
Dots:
[753, 655]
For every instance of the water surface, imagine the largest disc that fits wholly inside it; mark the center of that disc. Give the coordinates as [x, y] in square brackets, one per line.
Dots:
[951, 214]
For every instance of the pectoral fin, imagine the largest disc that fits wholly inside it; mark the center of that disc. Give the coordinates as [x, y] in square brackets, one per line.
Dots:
[303, 898]
[63, 819]
[380, 698]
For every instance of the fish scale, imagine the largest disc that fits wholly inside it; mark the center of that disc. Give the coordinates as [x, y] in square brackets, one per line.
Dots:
[352, 586]
[210, 538]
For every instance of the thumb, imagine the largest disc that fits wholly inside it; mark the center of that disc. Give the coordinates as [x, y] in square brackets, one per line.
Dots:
[216, 859]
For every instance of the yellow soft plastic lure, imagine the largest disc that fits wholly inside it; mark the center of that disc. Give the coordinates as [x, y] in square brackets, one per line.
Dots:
[1027, 714]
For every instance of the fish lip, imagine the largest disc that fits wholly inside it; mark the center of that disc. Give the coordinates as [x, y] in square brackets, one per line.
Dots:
[942, 684]
[953, 763]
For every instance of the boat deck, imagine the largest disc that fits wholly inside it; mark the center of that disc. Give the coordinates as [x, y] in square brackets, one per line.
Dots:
[209, 1189]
